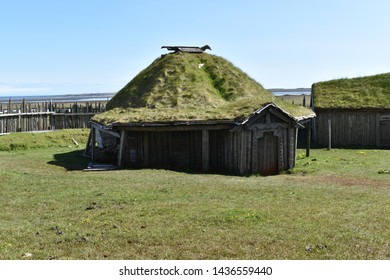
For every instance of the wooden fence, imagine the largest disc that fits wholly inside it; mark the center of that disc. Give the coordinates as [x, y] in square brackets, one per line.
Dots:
[39, 116]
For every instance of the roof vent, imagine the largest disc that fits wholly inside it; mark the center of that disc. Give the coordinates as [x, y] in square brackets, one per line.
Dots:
[187, 49]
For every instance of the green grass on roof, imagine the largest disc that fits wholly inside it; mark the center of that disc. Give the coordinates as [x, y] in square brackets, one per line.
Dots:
[371, 92]
[190, 87]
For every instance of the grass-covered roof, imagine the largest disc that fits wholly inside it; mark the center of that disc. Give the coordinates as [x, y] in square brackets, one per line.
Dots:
[370, 92]
[190, 87]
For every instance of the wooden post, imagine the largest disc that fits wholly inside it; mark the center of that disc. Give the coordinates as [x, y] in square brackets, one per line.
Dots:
[19, 121]
[93, 143]
[377, 130]
[242, 153]
[295, 148]
[329, 134]
[88, 146]
[146, 148]
[121, 148]
[292, 132]
[205, 150]
[52, 122]
[308, 139]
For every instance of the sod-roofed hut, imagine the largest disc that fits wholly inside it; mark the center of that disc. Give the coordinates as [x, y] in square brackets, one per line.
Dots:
[196, 111]
[353, 112]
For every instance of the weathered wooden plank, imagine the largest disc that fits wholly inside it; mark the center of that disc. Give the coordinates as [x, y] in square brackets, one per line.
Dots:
[377, 129]
[121, 148]
[242, 152]
[205, 150]
[249, 151]
[93, 144]
[145, 148]
[291, 147]
[87, 151]
[308, 139]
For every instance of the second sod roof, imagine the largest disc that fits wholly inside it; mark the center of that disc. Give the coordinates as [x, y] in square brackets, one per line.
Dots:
[369, 92]
[186, 87]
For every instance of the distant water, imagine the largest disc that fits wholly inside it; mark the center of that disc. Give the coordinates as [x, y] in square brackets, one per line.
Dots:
[96, 97]
[290, 92]
[88, 97]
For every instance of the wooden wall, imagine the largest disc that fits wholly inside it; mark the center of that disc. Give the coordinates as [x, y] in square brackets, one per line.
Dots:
[266, 145]
[384, 130]
[351, 128]
[262, 150]
[182, 150]
[164, 149]
[228, 153]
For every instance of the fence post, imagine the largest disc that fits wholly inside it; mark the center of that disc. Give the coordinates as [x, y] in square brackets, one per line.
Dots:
[19, 128]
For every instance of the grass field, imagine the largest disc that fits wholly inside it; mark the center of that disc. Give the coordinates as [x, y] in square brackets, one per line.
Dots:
[336, 205]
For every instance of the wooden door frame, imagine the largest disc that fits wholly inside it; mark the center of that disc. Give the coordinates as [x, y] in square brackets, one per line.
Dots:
[279, 130]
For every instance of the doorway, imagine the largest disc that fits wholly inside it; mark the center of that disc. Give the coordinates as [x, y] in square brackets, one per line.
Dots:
[268, 154]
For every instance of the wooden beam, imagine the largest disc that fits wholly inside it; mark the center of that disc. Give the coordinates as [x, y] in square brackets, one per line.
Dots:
[377, 130]
[191, 127]
[291, 146]
[146, 148]
[121, 148]
[93, 143]
[329, 134]
[88, 146]
[308, 139]
[242, 152]
[205, 150]
[101, 128]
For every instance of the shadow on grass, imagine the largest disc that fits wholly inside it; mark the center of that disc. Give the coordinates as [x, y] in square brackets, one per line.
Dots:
[71, 160]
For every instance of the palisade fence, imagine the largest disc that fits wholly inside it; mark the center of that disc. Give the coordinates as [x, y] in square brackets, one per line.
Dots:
[40, 116]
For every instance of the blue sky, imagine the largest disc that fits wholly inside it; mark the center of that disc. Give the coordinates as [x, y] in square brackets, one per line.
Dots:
[85, 46]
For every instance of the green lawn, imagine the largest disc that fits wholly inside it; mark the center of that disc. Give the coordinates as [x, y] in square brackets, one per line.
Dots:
[335, 206]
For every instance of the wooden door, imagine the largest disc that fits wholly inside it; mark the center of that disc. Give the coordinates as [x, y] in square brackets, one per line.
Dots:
[268, 154]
